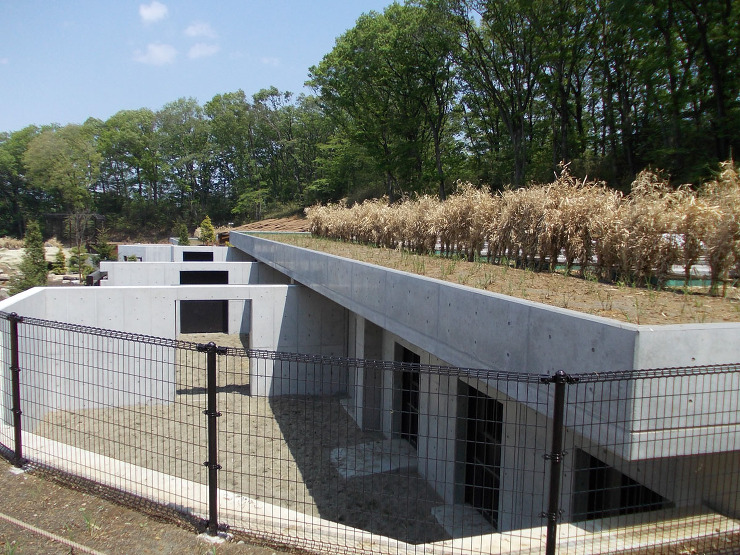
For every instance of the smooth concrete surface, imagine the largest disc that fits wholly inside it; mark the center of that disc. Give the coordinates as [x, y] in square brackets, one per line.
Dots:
[276, 317]
[463, 326]
[466, 327]
[173, 253]
[168, 273]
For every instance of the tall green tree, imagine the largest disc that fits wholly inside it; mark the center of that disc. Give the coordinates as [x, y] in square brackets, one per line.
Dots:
[502, 64]
[185, 155]
[130, 165]
[64, 162]
[389, 83]
[17, 200]
[33, 269]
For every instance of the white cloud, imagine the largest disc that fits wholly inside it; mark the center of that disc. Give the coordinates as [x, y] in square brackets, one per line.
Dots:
[270, 61]
[156, 54]
[202, 50]
[151, 13]
[199, 29]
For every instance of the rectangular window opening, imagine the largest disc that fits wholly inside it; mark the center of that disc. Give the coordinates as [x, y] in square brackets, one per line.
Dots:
[197, 256]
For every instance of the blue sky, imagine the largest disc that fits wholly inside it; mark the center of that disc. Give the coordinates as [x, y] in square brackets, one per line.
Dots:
[62, 61]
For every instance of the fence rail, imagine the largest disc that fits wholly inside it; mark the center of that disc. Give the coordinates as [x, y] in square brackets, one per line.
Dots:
[350, 455]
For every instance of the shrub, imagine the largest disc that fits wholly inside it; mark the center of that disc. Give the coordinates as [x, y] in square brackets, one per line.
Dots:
[207, 232]
[183, 238]
[59, 267]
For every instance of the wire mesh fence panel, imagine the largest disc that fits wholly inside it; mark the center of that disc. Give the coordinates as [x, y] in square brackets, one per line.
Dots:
[354, 455]
[351, 455]
[115, 409]
[654, 461]
[6, 415]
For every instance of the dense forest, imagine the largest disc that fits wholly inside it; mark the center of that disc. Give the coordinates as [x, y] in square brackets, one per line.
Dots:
[410, 101]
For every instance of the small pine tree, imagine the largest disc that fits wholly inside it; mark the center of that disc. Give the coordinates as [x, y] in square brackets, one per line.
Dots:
[103, 247]
[59, 267]
[207, 233]
[183, 237]
[78, 264]
[33, 269]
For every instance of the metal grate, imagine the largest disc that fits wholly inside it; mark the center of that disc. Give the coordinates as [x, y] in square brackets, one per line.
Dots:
[316, 451]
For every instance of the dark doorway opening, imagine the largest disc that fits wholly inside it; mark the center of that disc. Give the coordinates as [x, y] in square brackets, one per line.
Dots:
[601, 491]
[484, 429]
[197, 256]
[204, 277]
[410, 398]
[204, 316]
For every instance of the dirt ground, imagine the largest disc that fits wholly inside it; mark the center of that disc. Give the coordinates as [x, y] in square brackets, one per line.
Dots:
[276, 224]
[53, 514]
[276, 450]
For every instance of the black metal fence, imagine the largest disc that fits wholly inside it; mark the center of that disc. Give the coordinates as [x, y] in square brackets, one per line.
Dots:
[347, 455]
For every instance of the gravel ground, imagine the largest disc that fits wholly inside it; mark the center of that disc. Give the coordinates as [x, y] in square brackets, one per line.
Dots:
[275, 450]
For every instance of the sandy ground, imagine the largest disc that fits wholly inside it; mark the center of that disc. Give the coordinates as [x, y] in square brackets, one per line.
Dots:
[277, 450]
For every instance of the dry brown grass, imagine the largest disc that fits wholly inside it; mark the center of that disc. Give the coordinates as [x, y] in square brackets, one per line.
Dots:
[627, 303]
[634, 239]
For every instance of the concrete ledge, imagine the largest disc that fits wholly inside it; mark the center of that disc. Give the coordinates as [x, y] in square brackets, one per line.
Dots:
[274, 522]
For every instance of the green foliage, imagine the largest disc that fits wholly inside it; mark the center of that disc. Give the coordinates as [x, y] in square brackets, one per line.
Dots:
[33, 268]
[183, 237]
[207, 232]
[78, 262]
[59, 266]
[409, 101]
[104, 249]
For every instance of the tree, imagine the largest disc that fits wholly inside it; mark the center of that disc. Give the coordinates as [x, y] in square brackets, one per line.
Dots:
[183, 238]
[59, 266]
[185, 155]
[80, 226]
[103, 248]
[389, 83]
[17, 201]
[65, 163]
[207, 233]
[131, 166]
[502, 62]
[33, 268]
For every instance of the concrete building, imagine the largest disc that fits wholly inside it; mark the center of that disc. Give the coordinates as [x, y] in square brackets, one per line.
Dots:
[291, 299]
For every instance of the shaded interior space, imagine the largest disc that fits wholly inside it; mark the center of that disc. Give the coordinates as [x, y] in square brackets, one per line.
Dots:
[206, 316]
[601, 491]
[204, 277]
[483, 439]
[197, 256]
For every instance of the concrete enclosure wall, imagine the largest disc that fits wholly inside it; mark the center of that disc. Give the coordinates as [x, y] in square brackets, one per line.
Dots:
[467, 327]
[168, 273]
[174, 253]
[276, 317]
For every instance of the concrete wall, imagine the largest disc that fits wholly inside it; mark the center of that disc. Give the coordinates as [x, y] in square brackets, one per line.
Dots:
[168, 273]
[276, 317]
[467, 327]
[173, 253]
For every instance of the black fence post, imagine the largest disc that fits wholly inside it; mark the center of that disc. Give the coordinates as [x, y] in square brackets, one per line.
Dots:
[212, 463]
[15, 372]
[560, 379]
